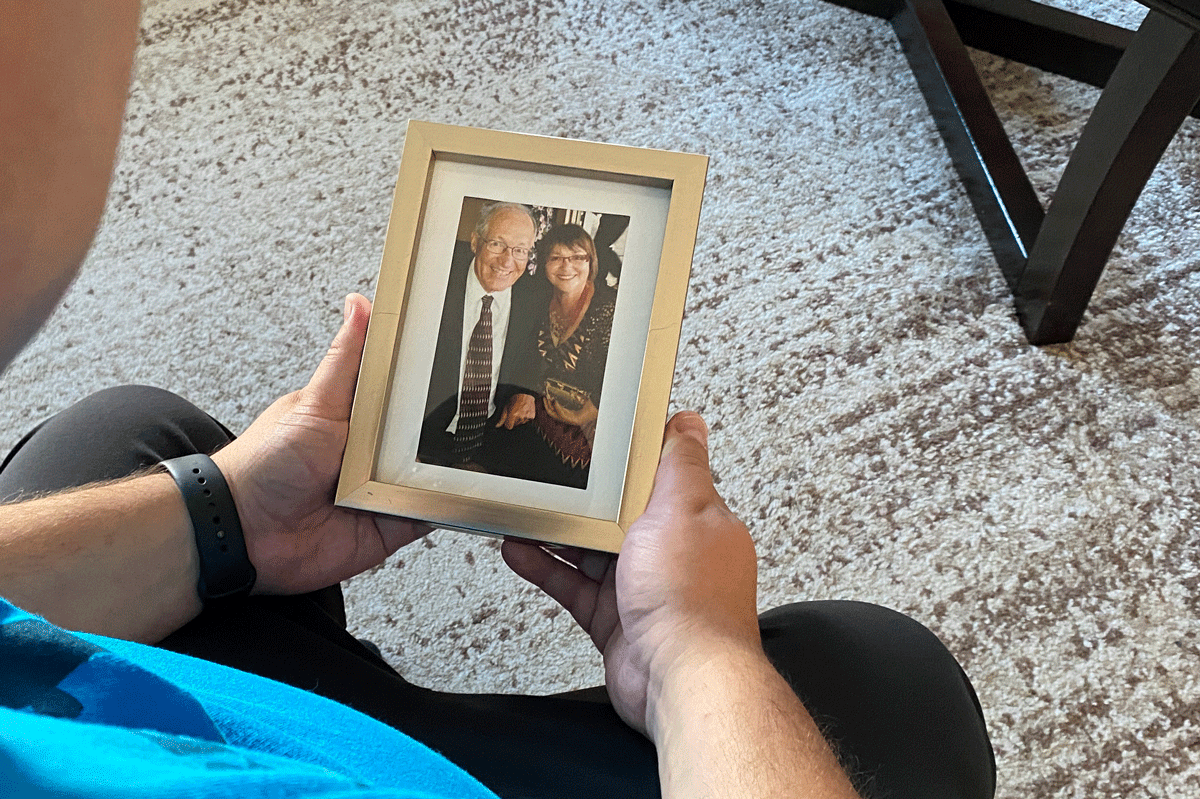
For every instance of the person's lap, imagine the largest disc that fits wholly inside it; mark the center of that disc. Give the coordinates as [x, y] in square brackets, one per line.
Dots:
[523, 453]
[889, 695]
[519, 452]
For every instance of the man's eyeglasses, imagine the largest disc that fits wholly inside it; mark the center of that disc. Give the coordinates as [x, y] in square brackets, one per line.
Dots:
[575, 260]
[496, 247]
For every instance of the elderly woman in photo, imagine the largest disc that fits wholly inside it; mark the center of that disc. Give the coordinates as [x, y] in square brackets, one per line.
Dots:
[572, 345]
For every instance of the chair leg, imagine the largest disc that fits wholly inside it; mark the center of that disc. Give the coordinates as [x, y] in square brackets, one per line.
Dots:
[1154, 88]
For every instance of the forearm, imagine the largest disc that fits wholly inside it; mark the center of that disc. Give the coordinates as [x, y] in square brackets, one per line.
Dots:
[730, 726]
[117, 559]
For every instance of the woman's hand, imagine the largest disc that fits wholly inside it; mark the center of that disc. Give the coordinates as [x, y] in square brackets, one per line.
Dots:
[580, 418]
[283, 473]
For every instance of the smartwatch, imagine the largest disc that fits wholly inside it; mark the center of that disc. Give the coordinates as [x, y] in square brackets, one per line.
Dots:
[225, 568]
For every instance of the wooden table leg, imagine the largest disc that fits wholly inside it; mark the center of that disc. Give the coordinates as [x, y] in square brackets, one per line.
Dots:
[1153, 89]
[1051, 259]
[1004, 200]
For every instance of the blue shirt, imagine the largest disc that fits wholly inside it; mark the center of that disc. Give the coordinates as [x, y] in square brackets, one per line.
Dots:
[88, 716]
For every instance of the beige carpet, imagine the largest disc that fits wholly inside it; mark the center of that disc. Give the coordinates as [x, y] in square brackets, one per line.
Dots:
[878, 418]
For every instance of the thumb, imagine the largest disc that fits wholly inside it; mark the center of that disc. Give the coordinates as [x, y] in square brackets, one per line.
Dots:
[330, 392]
[683, 468]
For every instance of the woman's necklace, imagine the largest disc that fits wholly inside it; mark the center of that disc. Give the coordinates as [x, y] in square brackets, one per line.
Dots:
[558, 325]
[562, 324]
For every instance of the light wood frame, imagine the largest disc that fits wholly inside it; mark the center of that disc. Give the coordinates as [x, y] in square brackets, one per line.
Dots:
[483, 508]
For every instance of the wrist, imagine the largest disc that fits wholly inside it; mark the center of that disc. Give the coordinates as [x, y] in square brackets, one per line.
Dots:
[114, 558]
[686, 678]
[726, 723]
[231, 466]
[225, 568]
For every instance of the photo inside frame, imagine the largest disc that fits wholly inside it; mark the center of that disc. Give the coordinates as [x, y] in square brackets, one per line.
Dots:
[571, 264]
[516, 387]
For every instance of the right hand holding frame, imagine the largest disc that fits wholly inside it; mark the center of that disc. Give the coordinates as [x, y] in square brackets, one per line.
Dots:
[683, 588]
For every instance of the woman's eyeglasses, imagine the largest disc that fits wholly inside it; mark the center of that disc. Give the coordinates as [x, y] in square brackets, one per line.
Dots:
[575, 260]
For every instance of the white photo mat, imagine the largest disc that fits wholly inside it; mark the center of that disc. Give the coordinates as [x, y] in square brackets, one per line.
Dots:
[451, 182]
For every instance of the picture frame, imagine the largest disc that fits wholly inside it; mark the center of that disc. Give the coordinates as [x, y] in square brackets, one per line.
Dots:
[461, 193]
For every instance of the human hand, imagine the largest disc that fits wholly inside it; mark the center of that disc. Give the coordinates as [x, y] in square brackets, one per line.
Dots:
[519, 410]
[283, 473]
[682, 591]
[580, 418]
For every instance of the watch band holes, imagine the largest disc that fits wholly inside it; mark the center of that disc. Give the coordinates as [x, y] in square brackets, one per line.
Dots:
[218, 535]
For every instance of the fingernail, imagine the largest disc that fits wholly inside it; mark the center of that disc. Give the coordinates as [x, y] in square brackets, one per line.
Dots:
[693, 425]
[347, 309]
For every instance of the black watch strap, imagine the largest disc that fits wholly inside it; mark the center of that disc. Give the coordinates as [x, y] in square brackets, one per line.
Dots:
[225, 567]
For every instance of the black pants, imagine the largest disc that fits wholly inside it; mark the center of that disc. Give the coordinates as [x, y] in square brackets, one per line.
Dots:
[893, 700]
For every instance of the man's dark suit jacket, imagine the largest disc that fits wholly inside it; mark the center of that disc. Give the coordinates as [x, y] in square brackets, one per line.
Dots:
[519, 367]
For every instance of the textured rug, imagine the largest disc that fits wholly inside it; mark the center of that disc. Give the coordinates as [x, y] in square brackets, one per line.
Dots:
[878, 418]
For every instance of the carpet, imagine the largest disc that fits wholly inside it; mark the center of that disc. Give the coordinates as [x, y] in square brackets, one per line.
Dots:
[877, 416]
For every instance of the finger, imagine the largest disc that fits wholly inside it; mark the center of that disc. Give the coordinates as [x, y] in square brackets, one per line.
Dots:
[565, 584]
[593, 605]
[687, 425]
[596, 565]
[330, 392]
[396, 532]
[683, 468]
[592, 563]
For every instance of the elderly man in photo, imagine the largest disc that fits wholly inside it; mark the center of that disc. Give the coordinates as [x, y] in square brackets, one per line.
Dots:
[485, 369]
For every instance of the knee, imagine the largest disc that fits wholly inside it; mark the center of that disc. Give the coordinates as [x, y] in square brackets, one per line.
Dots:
[143, 413]
[108, 435]
[850, 626]
[889, 689]
[132, 400]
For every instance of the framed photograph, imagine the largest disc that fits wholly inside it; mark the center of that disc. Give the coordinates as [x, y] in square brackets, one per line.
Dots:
[520, 355]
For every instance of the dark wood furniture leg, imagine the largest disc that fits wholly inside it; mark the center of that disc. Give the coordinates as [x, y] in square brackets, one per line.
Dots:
[1004, 199]
[1149, 95]
[1051, 260]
